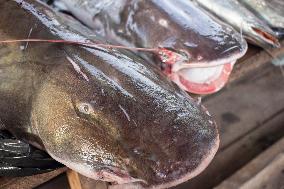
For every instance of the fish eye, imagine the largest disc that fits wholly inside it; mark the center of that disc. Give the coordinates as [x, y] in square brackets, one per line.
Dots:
[85, 108]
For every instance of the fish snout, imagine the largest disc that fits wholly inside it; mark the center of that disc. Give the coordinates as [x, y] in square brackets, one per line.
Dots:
[171, 156]
[117, 175]
[168, 173]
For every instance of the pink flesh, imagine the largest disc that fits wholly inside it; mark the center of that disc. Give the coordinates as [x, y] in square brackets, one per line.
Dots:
[195, 80]
[213, 84]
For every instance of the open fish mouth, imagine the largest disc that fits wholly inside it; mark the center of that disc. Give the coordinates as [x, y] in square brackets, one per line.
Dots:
[202, 77]
[203, 80]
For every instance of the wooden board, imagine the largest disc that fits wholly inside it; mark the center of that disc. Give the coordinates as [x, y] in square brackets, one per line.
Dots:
[30, 181]
[77, 181]
[271, 177]
[254, 58]
[260, 167]
[248, 103]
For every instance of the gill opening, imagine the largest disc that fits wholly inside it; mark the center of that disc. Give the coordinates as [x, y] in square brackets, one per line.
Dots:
[267, 37]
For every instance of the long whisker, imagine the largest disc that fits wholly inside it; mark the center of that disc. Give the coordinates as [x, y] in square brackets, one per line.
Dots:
[94, 45]
[89, 44]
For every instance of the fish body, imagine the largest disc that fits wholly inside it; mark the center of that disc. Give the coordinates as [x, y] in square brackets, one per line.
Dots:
[102, 112]
[189, 34]
[272, 11]
[237, 15]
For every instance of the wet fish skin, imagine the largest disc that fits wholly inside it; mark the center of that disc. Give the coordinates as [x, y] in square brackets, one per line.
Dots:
[242, 19]
[102, 112]
[178, 26]
[272, 11]
[122, 21]
[279, 33]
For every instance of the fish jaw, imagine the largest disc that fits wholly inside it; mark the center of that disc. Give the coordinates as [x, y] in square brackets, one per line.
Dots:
[200, 77]
[202, 166]
[213, 83]
[119, 176]
[178, 180]
[108, 174]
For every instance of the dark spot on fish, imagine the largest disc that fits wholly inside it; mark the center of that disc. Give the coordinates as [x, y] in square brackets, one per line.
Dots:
[229, 117]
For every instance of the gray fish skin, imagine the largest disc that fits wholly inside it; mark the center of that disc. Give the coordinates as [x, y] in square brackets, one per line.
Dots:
[272, 11]
[179, 26]
[170, 24]
[104, 113]
[237, 15]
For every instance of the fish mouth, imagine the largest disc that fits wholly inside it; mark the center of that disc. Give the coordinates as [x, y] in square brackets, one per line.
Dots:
[203, 80]
[185, 177]
[115, 176]
[118, 176]
[205, 77]
[111, 174]
[268, 37]
[181, 178]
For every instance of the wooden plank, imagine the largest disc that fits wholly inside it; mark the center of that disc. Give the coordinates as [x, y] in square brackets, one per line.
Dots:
[28, 182]
[73, 179]
[88, 183]
[254, 59]
[77, 181]
[254, 167]
[271, 177]
[247, 103]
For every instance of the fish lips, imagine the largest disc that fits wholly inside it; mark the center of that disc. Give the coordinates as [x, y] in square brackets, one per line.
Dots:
[213, 84]
[212, 74]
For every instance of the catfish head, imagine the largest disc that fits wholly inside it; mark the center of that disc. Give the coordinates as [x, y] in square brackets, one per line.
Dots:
[112, 118]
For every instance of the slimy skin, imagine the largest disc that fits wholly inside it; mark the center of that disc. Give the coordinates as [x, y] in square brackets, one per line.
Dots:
[253, 28]
[178, 26]
[272, 11]
[104, 113]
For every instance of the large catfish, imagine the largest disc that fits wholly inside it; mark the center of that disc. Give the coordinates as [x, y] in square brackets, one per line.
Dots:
[190, 35]
[102, 112]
